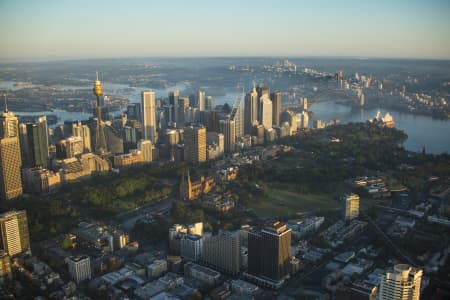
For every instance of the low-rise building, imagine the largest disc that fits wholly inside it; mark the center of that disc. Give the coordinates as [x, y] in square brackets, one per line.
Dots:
[203, 274]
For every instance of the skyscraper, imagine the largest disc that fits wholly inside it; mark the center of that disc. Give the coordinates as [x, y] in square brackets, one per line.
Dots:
[37, 136]
[227, 128]
[15, 238]
[276, 99]
[201, 100]
[84, 132]
[250, 110]
[209, 105]
[149, 115]
[174, 96]
[401, 283]
[265, 112]
[195, 143]
[237, 114]
[269, 251]
[10, 157]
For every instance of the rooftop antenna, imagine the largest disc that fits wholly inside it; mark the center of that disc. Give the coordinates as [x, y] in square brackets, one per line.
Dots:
[6, 101]
[96, 73]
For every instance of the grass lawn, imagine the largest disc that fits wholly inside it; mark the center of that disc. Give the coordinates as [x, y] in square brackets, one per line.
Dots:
[284, 202]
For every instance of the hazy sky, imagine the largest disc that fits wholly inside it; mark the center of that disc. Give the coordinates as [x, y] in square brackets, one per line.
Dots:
[58, 29]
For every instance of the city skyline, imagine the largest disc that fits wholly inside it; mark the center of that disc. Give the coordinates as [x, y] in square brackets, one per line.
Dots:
[46, 30]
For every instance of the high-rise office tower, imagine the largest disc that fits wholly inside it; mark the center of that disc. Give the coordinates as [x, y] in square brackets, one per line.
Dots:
[201, 100]
[145, 146]
[15, 238]
[24, 145]
[183, 106]
[10, 157]
[269, 251]
[149, 115]
[303, 119]
[195, 143]
[79, 267]
[228, 129]
[291, 118]
[265, 112]
[250, 110]
[401, 283]
[209, 105]
[101, 147]
[37, 135]
[350, 206]
[262, 89]
[276, 99]
[174, 96]
[237, 114]
[84, 132]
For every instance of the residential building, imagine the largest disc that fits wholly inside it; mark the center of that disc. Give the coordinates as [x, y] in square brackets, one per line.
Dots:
[15, 238]
[402, 283]
[191, 246]
[350, 206]
[222, 251]
[79, 267]
[203, 274]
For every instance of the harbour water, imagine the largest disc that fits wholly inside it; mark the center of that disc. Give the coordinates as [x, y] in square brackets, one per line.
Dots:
[422, 131]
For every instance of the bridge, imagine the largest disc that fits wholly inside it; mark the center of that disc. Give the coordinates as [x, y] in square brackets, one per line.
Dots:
[321, 97]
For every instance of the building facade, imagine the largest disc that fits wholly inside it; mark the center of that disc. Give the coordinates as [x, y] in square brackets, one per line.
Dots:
[79, 267]
[269, 252]
[149, 115]
[195, 144]
[222, 251]
[402, 283]
[228, 129]
[10, 157]
[15, 238]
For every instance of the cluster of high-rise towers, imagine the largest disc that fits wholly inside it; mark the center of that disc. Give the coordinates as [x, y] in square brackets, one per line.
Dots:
[39, 159]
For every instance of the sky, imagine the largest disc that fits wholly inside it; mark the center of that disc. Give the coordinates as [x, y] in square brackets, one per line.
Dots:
[77, 29]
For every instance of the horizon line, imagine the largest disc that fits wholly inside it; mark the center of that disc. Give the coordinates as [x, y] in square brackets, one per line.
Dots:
[356, 57]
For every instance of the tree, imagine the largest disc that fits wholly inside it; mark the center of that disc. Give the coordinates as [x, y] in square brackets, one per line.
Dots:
[67, 243]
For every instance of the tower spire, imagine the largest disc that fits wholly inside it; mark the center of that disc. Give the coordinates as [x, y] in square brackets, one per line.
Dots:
[5, 98]
[100, 141]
